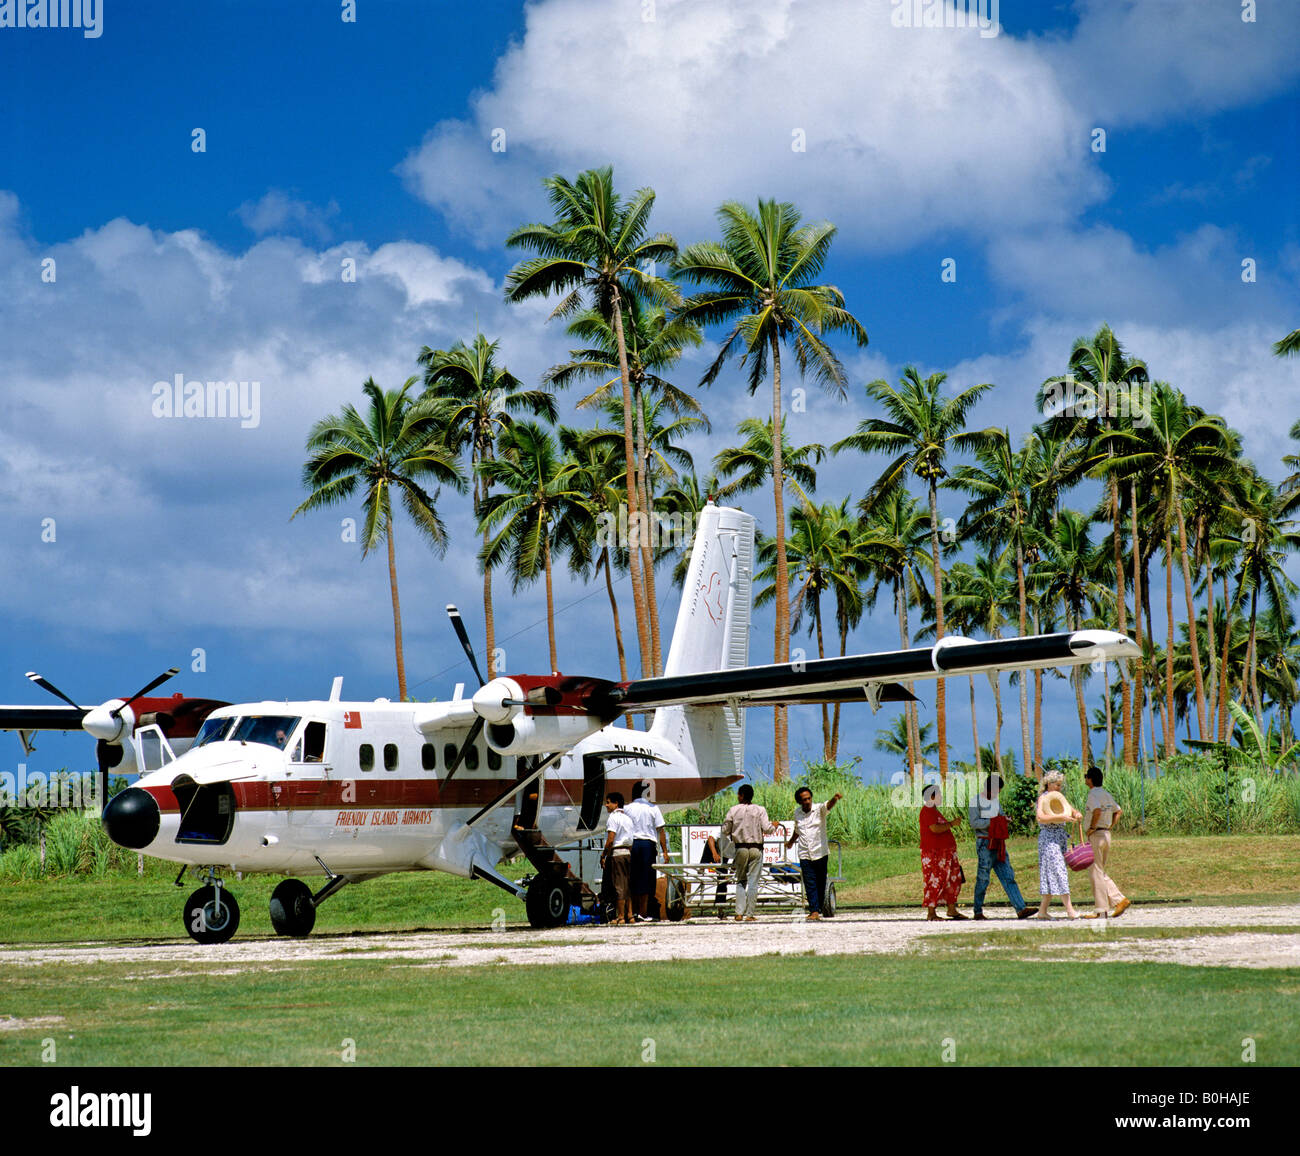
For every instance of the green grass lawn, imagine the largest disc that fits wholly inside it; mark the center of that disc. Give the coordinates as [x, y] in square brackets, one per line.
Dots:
[792, 1010]
[1255, 868]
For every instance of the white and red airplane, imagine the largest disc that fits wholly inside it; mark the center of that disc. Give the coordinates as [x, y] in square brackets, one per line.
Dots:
[353, 790]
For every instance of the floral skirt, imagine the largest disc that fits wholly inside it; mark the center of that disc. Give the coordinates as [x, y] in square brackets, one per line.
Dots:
[1053, 875]
[941, 875]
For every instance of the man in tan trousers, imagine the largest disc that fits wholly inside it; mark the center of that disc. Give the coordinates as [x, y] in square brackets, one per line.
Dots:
[1102, 812]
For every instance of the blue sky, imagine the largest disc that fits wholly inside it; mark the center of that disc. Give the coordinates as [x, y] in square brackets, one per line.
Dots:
[371, 140]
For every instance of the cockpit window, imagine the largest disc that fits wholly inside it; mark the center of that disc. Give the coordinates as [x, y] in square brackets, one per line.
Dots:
[214, 730]
[273, 730]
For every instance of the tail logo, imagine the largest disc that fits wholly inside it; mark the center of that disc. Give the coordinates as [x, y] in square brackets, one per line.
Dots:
[713, 593]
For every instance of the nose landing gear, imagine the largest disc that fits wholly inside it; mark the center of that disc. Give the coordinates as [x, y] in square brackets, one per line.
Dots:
[211, 913]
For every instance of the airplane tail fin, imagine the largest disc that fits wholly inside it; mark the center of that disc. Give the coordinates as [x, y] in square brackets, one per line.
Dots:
[712, 633]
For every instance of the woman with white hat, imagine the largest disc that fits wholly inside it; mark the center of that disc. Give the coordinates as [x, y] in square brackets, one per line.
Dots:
[1052, 815]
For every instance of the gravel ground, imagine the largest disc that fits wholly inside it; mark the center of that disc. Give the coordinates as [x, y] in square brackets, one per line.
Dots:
[850, 933]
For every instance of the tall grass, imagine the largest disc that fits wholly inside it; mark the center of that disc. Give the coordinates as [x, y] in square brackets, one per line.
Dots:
[1189, 800]
[75, 844]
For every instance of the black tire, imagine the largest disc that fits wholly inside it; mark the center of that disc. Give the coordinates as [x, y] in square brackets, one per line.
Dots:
[205, 921]
[292, 911]
[828, 903]
[547, 903]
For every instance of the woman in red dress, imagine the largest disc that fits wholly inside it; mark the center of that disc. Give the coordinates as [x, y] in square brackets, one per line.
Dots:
[940, 871]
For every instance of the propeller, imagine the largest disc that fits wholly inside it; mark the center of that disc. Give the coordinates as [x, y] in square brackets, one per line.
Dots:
[108, 751]
[476, 727]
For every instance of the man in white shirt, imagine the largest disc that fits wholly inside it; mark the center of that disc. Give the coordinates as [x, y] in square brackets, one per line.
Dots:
[647, 829]
[745, 825]
[1101, 811]
[814, 850]
[616, 859]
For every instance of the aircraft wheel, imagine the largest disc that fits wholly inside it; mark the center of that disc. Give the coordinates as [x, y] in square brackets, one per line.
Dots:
[547, 903]
[828, 904]
[292, 911]
[211, 915]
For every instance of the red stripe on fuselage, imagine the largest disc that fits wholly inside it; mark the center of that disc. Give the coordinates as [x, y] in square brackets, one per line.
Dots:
[326, 794]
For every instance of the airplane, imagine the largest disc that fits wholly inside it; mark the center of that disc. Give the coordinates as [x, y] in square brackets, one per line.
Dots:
[353, 790]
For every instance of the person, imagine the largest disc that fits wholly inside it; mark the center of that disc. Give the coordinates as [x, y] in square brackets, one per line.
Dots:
[616, 858]
[1053, 875]
[989, 826]
[814, 851]
[941, 873]
[714, 853]
[745, 825]
[647, 828]
[1103, 812]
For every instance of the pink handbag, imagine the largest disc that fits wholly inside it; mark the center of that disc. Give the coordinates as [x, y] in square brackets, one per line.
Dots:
[1079, 857]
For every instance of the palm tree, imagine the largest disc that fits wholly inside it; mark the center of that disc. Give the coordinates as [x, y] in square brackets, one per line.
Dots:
[481, 397]
[1289, 345]
[822, 551]
[898, 555]
[749, 464]
[763, 283]
[653, 344]
[597, 474]
[1099, 370]
[1069, 573]
[395, 445]
[537, 512]
[895, 740]
[597, 250]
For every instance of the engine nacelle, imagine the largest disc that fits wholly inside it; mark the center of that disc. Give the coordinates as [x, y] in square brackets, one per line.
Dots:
[538, 735]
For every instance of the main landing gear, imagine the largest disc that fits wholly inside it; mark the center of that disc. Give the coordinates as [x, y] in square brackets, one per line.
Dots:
[547, 901]
[212, 915]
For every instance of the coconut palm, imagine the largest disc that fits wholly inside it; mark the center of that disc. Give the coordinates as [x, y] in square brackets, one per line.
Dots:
[597, 251]
[1289, 345]
[749, 465]
[762, 282]
[395, 446]
[481, 397]
[536, 513]
[895, 740]
[654, 344]
[921, 427]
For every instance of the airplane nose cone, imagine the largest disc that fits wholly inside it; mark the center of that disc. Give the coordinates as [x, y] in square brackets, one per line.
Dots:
[131, 818]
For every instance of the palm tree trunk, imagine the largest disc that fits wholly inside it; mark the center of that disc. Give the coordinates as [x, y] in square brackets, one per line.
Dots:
[489, 620]
[550, 599]
[1038, 711]
[821, 653]
[1027, 766]
[397, 609]
[1085, 745]
[1252, 664]
[1213, 689]
[996, 679]
[1223, 662]
[633, 516]
[835, 714]
[1139, 679]
[781, 753]
[974, 725]
[1191, 626]
[613, 606]
[940, 711]
[1110, 722]
[900, 598]
[1126, 703]
[1169, 650]
[648, 538]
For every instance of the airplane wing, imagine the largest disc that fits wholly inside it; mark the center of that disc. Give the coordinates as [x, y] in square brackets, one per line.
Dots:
[847, 679]
[42, 718]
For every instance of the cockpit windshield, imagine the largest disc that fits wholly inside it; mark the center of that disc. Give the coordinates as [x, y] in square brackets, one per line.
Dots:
[214, 730]
[273, 730]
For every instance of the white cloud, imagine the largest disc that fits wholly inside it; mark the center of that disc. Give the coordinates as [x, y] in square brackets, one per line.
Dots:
[276, 211]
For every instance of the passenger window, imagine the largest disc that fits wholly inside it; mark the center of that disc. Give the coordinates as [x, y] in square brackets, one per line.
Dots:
[448, 754]
[390, 756]
[429, 757]
[471, 759]
[367, 757]
[494, 760]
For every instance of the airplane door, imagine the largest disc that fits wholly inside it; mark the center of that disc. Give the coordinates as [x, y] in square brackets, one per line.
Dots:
[593, 792]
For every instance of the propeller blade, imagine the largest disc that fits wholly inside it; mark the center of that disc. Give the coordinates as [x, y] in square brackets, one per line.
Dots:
[470, 740]
[166, 674]
[54, 690]
[459, 627]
